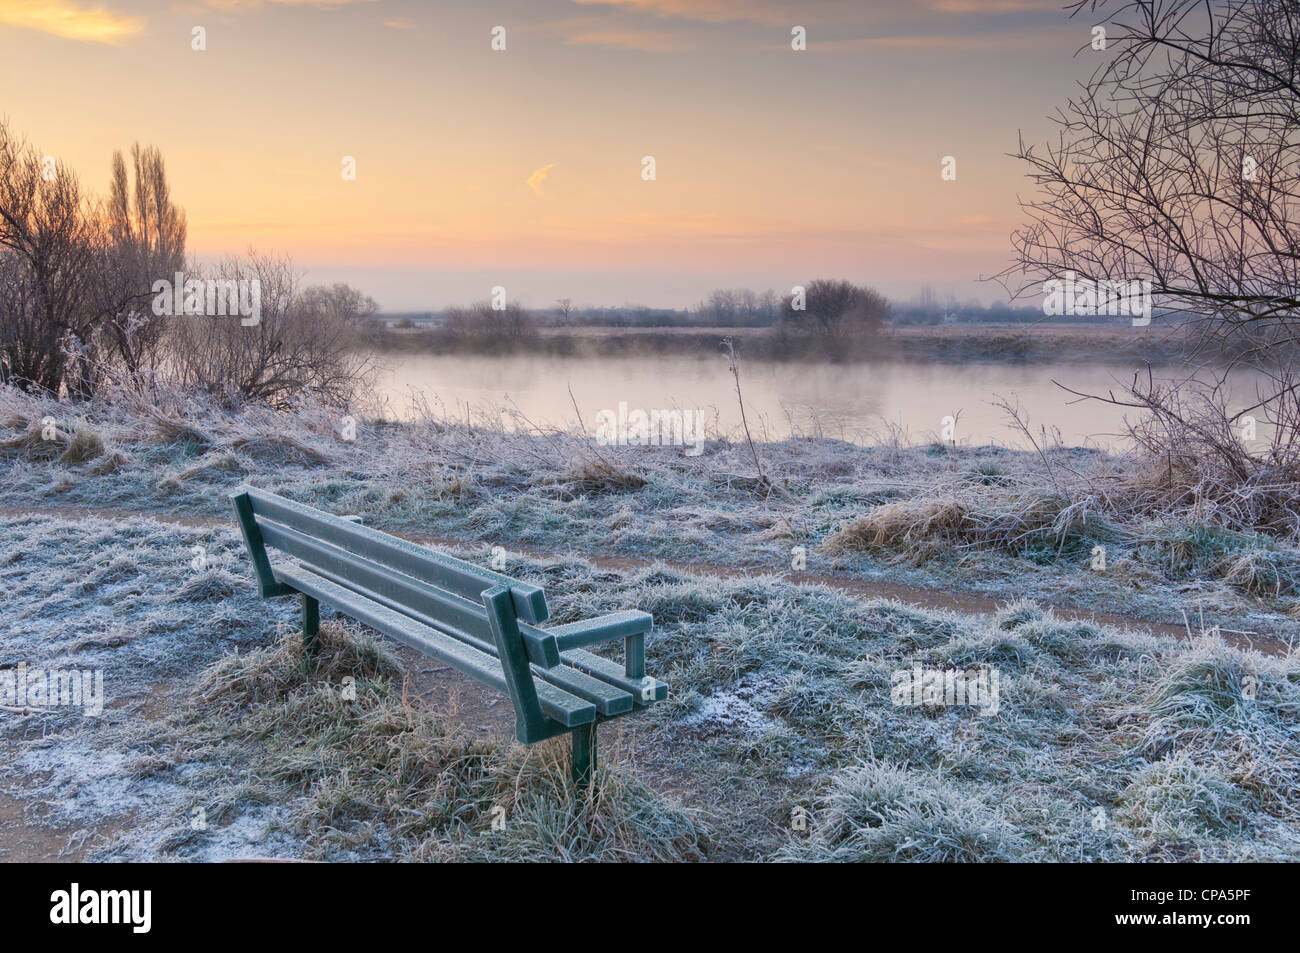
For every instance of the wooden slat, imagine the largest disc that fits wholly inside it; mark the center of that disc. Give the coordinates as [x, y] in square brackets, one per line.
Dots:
[447, 572]
[608, 699]
[613, 673]
[557, 704]
[605, 628]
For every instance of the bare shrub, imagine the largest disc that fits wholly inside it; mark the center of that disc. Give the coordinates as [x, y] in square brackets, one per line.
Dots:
[1192, 458]
[308, 341]
[490, 329]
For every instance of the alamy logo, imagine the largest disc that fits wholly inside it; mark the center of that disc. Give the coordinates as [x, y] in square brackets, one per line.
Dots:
[656, 428]
[977, 688]
[1076, 295]
[212, 297]
[40, 688]
[75, 906]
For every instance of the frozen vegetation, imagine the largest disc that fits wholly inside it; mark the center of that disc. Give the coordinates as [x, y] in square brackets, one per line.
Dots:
[781, 739]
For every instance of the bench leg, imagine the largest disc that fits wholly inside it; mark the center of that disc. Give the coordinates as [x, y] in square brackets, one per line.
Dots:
[584, 755]
[310, 623]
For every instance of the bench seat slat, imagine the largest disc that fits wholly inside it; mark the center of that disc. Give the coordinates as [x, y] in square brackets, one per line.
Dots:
[608, 699]
[613, 673]
[400, 606]
[458, 576]
[557, 704]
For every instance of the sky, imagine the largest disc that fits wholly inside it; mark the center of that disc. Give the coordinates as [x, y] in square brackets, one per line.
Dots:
[523, 167]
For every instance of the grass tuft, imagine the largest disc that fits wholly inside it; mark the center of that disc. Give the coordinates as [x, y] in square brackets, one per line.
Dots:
[596, 474]
[381, 776]
[877, 812]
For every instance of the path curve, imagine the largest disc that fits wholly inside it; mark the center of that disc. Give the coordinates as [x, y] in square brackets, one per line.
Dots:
[921, 596]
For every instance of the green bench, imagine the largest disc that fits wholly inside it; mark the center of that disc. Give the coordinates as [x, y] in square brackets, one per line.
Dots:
[479, 622]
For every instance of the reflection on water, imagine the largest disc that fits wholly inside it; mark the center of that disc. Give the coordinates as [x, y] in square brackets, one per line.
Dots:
[855, 402]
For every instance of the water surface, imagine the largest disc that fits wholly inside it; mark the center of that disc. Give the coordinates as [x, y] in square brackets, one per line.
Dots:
[857, 402]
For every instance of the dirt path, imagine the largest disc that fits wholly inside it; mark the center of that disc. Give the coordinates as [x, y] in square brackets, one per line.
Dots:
[25, 842]
[921, 596]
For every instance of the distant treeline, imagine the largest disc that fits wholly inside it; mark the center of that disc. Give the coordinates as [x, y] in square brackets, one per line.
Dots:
[834, 320]
[827, 317]
[743, 308]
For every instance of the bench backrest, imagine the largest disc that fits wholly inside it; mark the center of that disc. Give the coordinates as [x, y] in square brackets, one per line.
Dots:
[412, 577]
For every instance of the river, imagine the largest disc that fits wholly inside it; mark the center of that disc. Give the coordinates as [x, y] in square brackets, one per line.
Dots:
[856, 402]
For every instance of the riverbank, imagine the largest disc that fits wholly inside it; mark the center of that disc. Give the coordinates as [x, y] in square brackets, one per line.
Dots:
[781, 692]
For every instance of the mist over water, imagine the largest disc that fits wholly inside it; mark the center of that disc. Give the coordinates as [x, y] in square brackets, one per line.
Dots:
[853, 402]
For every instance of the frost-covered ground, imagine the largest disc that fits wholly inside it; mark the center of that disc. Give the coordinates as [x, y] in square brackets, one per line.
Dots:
[782, 738]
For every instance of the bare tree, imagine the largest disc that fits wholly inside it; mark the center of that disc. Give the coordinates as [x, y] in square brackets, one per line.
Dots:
[1177, 164]
[52, 246]
[738, 307]
[340, 304]
[146, 233]
[564, 308]
[839, 315]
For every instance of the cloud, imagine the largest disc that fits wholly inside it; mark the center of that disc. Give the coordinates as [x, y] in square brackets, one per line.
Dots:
[538, 177]
[640, 40]
[234, 6]
[401, 23]
[787, 13]
[71, 22]
[615, 30]
[709, 11]
[833, 25]
[991, 6]
[1024, 39]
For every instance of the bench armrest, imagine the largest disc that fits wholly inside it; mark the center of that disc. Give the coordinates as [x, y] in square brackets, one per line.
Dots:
[630, 626]
[605, 628]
